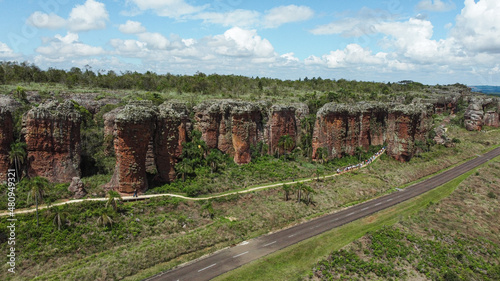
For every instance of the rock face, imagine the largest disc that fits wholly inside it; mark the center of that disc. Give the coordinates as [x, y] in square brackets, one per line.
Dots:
[52, 134]
[6, 138]
[340, 129]
[109, 130]
[230, 126]
[234, 127]
[474, 117]
[172, 127]
[407, 124]
[134, 128]
[491, 118]
[77, 188]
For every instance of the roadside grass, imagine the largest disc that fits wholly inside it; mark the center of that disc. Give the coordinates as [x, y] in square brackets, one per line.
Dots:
[295, 261]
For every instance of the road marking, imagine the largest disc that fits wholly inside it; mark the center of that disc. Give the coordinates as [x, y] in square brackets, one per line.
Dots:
[335, 220]
[240, 254]
[390, 199]
[364, 209]
[206, 267]
[292, 235]
[350, 214]
[244, 243]
[269, 244]
[378, 203]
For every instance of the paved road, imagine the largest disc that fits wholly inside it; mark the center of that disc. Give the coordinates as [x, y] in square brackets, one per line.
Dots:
[231, 258]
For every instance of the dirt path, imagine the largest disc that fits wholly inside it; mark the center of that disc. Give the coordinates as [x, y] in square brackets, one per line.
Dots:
[144, 197]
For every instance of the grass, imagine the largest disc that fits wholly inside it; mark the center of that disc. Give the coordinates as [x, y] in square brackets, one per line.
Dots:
[297, 260]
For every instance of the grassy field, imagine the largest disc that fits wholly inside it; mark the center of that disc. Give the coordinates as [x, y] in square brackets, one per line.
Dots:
[150, 236]
[296, 260]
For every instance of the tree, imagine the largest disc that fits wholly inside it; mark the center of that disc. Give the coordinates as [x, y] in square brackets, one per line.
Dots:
[286, 143]
[104, 219]
[17, 156]
[59, 217]
[287, 189]
[209, 209]
[299, 187]
[359, 152]
[184, 168]
[321, 154]
[309, 191]
[215, 159]
[113, 199]
[37, 187]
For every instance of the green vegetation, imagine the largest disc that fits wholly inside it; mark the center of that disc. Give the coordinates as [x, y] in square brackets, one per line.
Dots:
[393, 245]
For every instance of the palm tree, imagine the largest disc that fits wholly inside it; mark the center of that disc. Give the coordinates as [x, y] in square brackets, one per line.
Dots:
[308, 190]
[359, 152]
[113, 198]
[287, 188]
[37, 187]
[104, 219]
[299, 187]
[17, 155]
[286, 143]
[184, 167]
[214, 160]
[60, 217]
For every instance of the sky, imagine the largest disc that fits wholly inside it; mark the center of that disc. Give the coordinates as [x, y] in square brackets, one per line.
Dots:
[429, 41]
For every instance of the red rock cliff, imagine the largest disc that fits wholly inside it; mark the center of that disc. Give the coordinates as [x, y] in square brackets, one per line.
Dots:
[173, 125]
[52, 134]
[134, 128]
[6, 138]
[339, 128]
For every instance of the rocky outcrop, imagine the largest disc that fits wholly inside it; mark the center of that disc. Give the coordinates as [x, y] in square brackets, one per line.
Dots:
[407, 125]
[474, 117]
[52, 134]
[233, 127]
[77, 187]
[134, 128]
[340, 129]
[282, 121]
[491, 118]
[6, 139]
[172, 127]
[230, 126]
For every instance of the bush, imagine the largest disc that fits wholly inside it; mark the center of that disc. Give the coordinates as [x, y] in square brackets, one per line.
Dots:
[492, 195]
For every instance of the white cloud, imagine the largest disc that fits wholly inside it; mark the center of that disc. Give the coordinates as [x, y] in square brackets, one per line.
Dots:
[6, 52]
[42, 20]
[478, 26]
[63, 47]
[132, 27]
[168, 8]
[154, 40]
[242, 43]
[286, 14]
[241, 18]
[89, 16]
[435, 6]
[363, 23]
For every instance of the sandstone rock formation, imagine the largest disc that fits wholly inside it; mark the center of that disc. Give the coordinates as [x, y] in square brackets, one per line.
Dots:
[52, 134]
[6, 138]
[172, 127]
[407, 124]
[340, 128]
[134, 128]
[109, 129]
[77, 187]
[474, 117]
[282, 121]
[230, 126]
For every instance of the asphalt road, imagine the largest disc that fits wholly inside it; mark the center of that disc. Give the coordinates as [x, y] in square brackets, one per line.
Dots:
[231, 258]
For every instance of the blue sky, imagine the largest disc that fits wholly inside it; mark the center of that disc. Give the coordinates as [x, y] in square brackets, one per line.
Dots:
[430, 41]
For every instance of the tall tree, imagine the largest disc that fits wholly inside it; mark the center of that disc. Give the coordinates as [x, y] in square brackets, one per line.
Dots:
[184, 168]
[37, 187]
[286, 190]
[17, 156]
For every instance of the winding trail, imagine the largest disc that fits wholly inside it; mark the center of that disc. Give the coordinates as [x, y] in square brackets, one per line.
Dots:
[144, 197]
